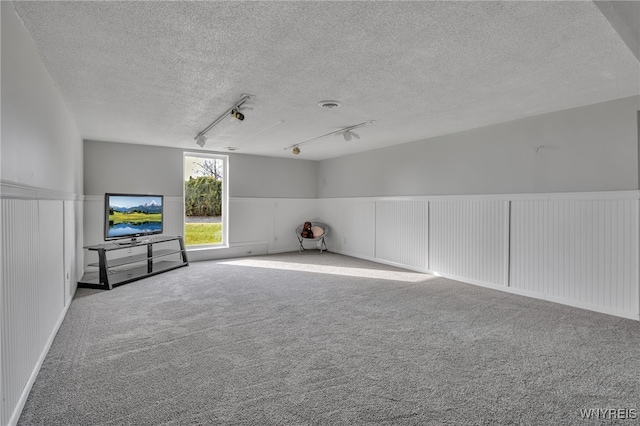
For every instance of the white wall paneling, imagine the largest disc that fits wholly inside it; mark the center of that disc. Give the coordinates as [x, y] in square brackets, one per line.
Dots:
[256, 225]
[250, 220]
[70, 236]
[327, 212]
[35, 295]
[173, 212]
[356, 227]
[582, 252]
[50, 265]
[288, 214]
[579, 249]
[41, 170]
[468, 240]
[254, 222]
[402, 233]
[250, 223]
[20, 311]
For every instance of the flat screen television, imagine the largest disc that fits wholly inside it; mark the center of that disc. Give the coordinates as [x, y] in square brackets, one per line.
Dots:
[132, 216]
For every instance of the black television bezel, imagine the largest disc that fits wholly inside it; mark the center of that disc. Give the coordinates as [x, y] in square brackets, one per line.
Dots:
[132, 237]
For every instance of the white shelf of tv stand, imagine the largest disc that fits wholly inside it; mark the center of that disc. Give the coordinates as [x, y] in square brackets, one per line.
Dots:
[122, 270]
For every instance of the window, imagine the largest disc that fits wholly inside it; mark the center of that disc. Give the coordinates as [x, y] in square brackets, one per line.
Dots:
[205, 199]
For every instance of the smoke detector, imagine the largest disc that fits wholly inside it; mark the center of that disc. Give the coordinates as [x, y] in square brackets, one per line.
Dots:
[329, 104]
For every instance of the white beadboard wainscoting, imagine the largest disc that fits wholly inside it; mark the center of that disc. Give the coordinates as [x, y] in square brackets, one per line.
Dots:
[401, 237]
[582, 252]
[356, 234]
[579, 249]
[270, 221]
[256, 225]
[469, 240]
[40, 267]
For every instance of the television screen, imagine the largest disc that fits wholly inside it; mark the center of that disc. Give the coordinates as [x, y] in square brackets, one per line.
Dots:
[132, 215]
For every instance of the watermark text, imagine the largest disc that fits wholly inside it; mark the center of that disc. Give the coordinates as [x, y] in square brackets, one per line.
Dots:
[609, 413]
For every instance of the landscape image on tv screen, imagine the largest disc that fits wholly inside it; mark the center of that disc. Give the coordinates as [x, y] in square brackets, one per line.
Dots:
[133, 215]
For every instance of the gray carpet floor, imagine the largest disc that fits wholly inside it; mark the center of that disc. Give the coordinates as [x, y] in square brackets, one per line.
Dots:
[325, 339]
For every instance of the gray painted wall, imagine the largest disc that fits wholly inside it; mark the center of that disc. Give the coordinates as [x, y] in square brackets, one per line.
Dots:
[591, 148]
[119, 167]
[41, 212]
[270, 177]
[41, 145]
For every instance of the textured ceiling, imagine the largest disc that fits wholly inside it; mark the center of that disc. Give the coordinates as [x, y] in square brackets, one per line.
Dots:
[159, 72]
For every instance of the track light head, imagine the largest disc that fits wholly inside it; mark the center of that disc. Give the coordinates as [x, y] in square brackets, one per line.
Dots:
[348, 134]
[237, 115]
[296, 150]
[201, 140]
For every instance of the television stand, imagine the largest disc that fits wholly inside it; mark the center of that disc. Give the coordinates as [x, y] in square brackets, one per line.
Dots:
[145, 258]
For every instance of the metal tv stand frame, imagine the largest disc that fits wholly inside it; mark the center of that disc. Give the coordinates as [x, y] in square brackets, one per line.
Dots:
[135, 266]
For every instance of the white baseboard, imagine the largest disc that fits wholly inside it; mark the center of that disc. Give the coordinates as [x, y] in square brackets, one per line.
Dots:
[234, 250]
[400, 265]
[540, 296]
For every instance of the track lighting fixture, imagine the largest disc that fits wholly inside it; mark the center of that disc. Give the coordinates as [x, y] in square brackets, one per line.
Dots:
[346, 133]
[234, 111]
[237, 115]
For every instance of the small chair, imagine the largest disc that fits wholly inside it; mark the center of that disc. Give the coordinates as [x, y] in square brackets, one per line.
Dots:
[319, 239]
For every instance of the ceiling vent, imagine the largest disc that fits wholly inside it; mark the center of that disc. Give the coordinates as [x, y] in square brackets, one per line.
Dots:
[329, 104]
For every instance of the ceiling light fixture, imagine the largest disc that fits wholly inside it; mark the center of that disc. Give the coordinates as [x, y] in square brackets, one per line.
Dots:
[201, 140]
[234, 111]
[346, 132]
[295, 150]
[237, 115]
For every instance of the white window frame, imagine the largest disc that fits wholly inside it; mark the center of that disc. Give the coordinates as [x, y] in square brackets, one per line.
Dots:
[225, 196]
